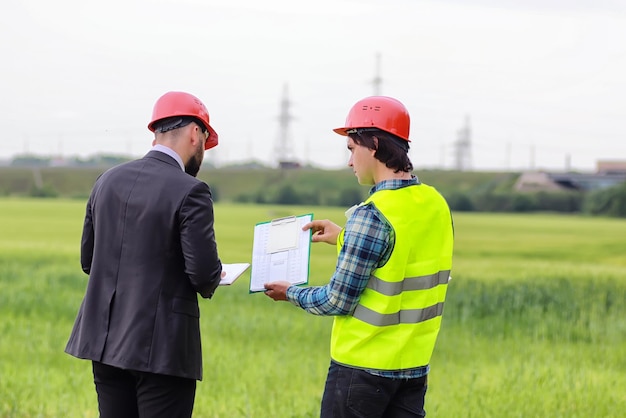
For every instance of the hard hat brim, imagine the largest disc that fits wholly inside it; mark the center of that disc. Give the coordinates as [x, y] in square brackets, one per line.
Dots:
[212, 140]
[341, 131]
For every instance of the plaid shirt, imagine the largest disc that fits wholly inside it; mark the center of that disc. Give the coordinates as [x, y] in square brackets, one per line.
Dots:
[368, 242]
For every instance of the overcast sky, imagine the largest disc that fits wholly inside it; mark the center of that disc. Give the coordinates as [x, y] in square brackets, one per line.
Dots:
[542, 82]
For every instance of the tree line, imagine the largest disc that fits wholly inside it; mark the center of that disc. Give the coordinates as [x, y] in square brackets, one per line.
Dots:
[465, 192]
[606, 202]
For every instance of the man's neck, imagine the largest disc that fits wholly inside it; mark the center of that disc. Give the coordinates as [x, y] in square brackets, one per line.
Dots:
[171, 152]
[389, 174]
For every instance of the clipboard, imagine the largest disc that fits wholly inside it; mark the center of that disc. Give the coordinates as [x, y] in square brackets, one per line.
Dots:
[233, 271]
[281, 251]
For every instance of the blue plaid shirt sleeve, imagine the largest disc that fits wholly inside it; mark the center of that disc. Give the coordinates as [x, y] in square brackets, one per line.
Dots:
[366, 247]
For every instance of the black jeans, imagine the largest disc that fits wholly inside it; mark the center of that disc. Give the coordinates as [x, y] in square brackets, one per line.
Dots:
[354, 393]
[132, 394]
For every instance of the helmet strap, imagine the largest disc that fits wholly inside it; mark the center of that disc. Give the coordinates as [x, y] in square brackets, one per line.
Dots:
[169, 124]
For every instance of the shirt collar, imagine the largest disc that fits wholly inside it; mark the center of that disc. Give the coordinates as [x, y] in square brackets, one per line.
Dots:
[171, 153]
[394, 184]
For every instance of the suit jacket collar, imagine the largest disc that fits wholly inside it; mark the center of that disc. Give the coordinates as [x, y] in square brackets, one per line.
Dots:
[161, 156]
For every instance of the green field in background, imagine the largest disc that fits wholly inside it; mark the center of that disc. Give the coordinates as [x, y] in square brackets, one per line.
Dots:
[534, 324]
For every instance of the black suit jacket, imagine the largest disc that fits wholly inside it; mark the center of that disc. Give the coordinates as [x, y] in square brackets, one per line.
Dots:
[148, 247]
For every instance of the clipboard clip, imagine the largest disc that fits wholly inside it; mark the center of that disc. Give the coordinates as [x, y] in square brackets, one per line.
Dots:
[280, 221]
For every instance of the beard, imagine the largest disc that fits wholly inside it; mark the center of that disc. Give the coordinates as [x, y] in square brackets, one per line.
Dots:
[193, 165]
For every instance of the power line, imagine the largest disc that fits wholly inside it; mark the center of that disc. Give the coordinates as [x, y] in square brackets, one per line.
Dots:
[284, 146]
[377, 81]
[463, 148]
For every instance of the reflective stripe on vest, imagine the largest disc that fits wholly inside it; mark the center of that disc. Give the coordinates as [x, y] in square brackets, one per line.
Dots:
[411, 283]
[408, 316]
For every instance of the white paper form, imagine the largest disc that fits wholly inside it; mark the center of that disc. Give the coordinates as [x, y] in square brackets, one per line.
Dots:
[270, 264]
[233, 271]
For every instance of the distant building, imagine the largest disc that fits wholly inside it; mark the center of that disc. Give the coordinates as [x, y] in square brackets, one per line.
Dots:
[535, 181]
[611, 167]
[607, 176]
[59, 162]
[289, 165]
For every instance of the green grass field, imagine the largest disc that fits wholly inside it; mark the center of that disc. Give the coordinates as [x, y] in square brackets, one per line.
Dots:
[534, 325]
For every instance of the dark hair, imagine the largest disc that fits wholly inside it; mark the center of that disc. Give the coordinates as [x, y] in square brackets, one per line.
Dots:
[391, 150]
[175, 122]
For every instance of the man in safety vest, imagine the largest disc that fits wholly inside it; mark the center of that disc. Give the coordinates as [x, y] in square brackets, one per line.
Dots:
[389, 286]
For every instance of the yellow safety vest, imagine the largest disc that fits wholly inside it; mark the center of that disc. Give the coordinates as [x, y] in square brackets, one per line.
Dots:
[395, 325]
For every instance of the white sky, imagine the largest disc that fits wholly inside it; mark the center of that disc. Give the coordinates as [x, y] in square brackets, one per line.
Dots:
[541, 80]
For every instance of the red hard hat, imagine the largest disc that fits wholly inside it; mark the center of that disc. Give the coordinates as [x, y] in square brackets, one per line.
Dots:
[384, 113]
[177, 103]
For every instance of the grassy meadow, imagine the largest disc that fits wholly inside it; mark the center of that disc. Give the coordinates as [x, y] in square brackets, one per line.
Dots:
[534, 324]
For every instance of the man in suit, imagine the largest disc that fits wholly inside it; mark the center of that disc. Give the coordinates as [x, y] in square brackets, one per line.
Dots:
[148, 246]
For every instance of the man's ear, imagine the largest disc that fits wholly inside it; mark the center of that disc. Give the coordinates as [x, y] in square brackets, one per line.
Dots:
[375, 148]
[193, 135]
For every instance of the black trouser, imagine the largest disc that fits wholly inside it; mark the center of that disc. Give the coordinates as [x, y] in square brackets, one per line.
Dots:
[133, 394]
[354, 393]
